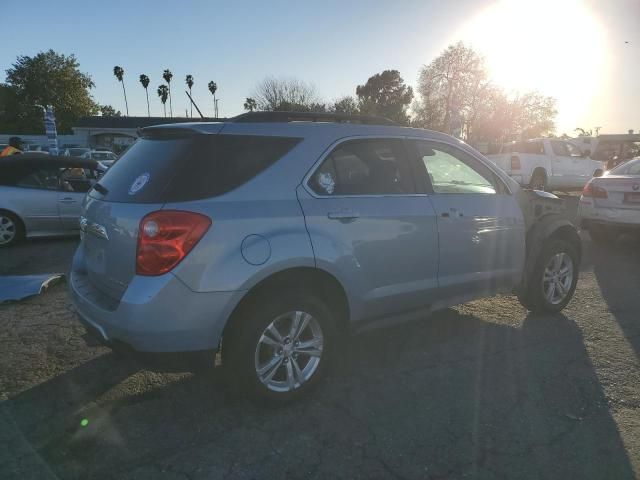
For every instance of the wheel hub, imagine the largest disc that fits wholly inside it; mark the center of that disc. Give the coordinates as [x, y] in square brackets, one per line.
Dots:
[558, 278]
[289, 351]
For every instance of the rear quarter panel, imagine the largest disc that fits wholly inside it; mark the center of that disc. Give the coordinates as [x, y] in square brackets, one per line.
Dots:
[219, 262]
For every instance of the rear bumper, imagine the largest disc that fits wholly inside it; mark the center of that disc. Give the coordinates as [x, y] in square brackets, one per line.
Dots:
[156, 314]
[620, 217]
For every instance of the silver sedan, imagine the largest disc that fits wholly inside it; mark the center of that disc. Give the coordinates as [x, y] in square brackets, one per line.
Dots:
[41, 195]
[610, 205]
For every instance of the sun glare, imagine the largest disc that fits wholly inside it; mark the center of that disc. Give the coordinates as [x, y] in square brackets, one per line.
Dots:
[556, 47]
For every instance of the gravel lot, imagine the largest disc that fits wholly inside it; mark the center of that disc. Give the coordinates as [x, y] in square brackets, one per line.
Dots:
[480, 391]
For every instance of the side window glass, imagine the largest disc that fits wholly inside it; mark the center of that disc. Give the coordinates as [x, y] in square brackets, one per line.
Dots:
[559, 148]
[43, 179]
[365, 167]
[76, 179]
[536, 148]
[453, 171]
[573, 150]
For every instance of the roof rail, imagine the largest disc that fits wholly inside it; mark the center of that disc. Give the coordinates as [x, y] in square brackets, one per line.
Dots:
[268, 117]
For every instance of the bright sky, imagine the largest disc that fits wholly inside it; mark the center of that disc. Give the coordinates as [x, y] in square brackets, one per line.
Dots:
[574, 50]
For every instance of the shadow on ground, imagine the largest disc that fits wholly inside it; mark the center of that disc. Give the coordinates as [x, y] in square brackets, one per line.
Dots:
[450, 397]
[617, 271]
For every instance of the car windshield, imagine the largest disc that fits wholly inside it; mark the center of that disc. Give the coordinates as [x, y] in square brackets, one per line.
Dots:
[632, 167]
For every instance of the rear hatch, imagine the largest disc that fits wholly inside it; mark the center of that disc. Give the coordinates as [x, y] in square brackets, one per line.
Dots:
[167, 165]
[622, 192]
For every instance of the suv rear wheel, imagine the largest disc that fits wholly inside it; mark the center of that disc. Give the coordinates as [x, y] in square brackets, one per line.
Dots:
[553, 279]
[279, 347]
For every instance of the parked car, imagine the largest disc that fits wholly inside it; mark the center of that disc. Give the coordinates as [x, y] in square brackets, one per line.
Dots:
[74, 151]
[547, 164]
[105, 158]
[100, 155]
[275, 238]
[41, 195]
[610, 205]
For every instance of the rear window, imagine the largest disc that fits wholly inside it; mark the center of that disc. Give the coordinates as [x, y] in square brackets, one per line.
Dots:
[180, 169]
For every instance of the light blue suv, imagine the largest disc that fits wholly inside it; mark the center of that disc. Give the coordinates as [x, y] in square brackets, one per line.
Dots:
[273, 235]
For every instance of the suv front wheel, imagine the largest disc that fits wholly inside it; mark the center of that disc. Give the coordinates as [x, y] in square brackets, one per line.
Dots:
[279, 346]
[553, 281]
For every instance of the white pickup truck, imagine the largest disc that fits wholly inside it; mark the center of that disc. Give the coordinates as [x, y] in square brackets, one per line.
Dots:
[547, 164]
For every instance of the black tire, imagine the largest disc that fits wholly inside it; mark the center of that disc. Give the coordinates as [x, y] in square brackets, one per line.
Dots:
[534, 298]
[603, 235]
[538, 180]
[17, 229]
[240, 342]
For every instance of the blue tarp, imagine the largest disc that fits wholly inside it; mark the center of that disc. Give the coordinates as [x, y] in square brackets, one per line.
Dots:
[18, 287]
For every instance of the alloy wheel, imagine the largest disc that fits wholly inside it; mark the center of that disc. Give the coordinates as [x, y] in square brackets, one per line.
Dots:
[289, 351]
[7, 230]
[558, 278]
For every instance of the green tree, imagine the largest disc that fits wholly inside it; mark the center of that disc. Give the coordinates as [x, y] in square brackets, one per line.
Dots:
[46, 79]
[163, 93]
[144, 80]
[213, 88]
[250, 104]
[109, 111]
[387, 95]
[347, 105]
[167, 75]
[189, 81]
[119, 74]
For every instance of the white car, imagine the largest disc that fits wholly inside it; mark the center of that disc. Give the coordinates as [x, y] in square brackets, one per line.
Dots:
[547, 164]
[610, 205]
[105, 159]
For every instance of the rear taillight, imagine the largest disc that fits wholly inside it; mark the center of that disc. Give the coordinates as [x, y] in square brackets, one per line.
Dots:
[593, 191]
[166, 237]
[515, 163]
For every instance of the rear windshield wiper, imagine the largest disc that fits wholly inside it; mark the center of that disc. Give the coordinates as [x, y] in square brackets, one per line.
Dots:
[100, 189]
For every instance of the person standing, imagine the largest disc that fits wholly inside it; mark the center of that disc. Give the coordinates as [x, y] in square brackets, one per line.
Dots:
[14, 147]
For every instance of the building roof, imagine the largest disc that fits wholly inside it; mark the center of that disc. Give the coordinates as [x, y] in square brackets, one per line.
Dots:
[136, 122]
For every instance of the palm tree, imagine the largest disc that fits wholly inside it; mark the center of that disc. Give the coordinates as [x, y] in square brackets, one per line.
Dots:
[212, 88]
[189, 80]
[144, 80]
[163, 93]
[119, 73]
[250, 104]
[167, 75]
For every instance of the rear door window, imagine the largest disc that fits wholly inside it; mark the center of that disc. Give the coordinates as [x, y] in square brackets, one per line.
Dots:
[192, 167]
[559, 148]
[365, 167]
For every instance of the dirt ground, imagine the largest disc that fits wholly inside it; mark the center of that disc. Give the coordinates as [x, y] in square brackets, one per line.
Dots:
[480, 391]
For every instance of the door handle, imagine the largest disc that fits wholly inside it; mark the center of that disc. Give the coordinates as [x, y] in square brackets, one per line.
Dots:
[67, 200]
[343, 215]
[453, 212]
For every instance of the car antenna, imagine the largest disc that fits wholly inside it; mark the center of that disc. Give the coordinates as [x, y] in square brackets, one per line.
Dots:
[194, 104]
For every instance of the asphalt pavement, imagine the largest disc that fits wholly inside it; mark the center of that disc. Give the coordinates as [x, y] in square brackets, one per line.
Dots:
[484, 390]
